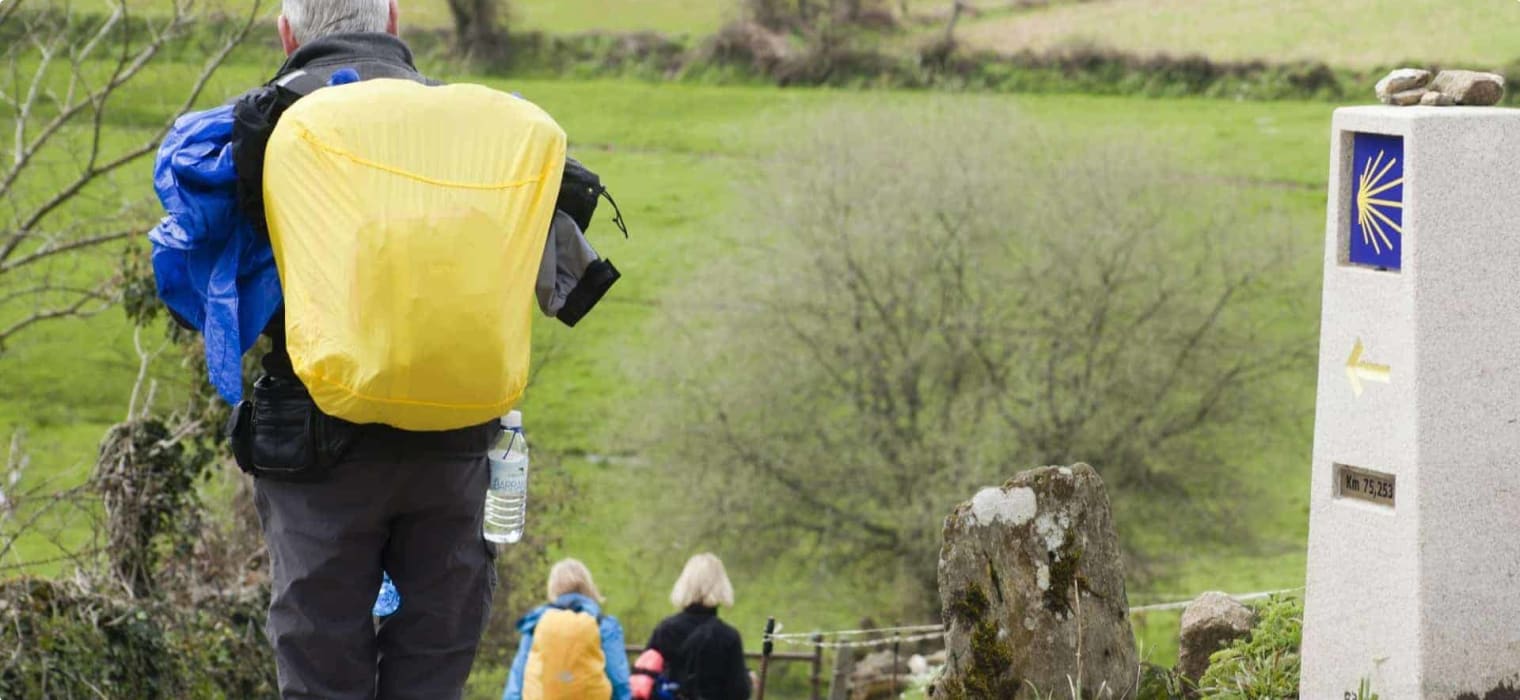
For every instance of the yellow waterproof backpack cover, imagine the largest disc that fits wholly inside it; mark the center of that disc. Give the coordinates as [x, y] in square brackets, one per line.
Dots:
[566, 661]
[408, 223]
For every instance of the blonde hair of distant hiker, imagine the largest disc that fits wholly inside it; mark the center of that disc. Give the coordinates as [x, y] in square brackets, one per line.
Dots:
[571, 576]
[703, 582]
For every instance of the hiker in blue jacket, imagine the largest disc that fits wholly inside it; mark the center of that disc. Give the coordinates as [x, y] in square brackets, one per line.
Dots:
[571, 588]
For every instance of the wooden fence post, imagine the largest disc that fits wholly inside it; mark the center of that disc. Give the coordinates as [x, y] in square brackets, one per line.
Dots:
[817, 667]
[765, 655]
[844, 663]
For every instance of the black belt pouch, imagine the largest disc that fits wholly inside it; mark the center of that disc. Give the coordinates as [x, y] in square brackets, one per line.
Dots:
[280, 434]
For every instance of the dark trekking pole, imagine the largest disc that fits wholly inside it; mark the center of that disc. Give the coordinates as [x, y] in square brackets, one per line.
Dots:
[896, 655]
[765, 656]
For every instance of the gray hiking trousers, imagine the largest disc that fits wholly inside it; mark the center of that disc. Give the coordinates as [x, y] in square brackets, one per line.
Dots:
[414, 511]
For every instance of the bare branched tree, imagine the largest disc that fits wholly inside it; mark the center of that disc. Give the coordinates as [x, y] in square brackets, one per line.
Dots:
[69, 81]
[932, 302]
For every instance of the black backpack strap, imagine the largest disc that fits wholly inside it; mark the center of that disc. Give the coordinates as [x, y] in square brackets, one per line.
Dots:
[617, 214]
[300, 83]
[254, 116]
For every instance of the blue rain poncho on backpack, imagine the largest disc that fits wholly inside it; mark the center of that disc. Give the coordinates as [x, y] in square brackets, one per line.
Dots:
[215, 272]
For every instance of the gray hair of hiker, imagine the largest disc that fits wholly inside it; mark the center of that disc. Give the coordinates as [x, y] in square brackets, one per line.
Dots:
[313, 19]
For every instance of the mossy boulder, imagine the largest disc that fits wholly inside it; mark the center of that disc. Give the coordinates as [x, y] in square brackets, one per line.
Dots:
[1032, 585]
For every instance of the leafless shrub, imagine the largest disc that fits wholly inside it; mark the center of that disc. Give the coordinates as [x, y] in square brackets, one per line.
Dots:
[925, 302]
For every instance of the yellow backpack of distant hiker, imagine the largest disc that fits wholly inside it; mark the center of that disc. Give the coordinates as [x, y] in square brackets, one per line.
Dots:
[566, 661]
[408, 223]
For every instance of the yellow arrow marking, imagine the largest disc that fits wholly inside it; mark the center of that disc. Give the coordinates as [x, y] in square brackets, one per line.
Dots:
[1360, 371]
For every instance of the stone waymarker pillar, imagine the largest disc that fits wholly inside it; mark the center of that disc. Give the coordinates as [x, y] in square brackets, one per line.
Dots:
[1414, 536]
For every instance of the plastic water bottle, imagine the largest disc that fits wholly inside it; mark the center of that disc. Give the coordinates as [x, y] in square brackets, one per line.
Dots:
[389, 599]
[507, 499]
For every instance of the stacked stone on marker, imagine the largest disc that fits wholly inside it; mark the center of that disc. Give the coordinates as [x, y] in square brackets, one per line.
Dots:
[1414, 86]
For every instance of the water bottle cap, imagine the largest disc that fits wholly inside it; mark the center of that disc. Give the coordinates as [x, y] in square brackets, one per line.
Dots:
[512, 420]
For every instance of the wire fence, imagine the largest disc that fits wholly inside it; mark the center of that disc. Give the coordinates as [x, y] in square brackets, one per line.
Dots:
[882, 636]
[845, 642]
[915, 629]
[1242, 597]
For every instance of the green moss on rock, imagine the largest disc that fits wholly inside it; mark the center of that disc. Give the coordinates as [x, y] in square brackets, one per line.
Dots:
[989, 672]
[1065, 577]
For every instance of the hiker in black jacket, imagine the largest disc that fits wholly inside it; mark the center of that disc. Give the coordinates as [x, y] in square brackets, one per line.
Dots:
[702, 653]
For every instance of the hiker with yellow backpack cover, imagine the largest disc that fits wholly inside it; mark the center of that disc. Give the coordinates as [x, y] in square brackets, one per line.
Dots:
[390, 235]
[570, 649]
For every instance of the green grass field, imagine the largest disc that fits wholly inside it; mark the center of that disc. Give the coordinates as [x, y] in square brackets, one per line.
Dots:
[1345, 33]
[670, 149]
[672, 154]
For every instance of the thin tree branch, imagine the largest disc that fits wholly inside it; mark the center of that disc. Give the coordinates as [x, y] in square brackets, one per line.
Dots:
[24, 112]
[43, 289]
[808, 496]
[124, 73]
[36, 515]
[8, 11]
[74, 309]
[48, 251]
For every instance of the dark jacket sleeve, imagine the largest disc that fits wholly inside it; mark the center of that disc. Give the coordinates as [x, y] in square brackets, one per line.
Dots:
[659, 640]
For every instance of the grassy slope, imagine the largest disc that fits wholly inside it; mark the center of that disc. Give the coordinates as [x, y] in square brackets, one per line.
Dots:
[1350, 33]
[711, 137]
[669, 151]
